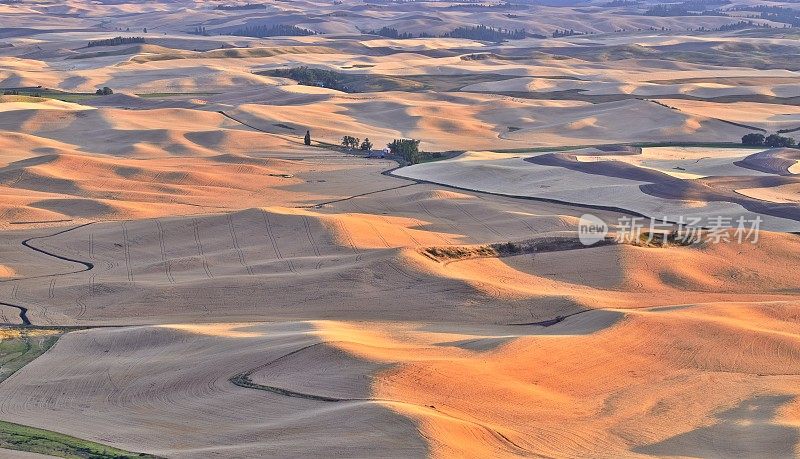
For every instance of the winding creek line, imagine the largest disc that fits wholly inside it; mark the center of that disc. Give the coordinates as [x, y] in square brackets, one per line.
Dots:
[87, 266]
[23, 312]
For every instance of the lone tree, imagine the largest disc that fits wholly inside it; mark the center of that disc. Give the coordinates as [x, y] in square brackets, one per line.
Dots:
[407, 149]
[104, 92]
[753, 139]
[307, 138]
[366, 145]
[350, 142]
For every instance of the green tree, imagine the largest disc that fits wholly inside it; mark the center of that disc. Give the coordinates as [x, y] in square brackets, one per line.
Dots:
[350, 142]
[753, 139]
[775, 140]
[307, 138]
[407, 149]
[104, 92]
[366, 145]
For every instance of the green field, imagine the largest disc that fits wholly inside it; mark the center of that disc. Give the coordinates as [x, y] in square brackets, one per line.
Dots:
[23, 438]
[20, 346]
[45, 93]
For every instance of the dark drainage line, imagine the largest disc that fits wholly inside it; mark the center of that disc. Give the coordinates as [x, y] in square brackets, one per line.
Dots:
[23, 312]
[27, 243]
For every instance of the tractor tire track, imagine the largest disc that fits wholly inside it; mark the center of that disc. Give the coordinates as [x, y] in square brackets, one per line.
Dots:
[321, 204]
[480, 222]
[243, 380]
[275, 243]
[199, 245]
[238, 248]
[164, 260]
[127, 252]
[81, 309]
[311, 241]
[433, 219]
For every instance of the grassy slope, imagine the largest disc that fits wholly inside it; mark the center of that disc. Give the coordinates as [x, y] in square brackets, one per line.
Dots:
[18, 347]
[31, 439]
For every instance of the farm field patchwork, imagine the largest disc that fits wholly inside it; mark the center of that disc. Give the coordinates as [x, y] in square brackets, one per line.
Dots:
[399, 229]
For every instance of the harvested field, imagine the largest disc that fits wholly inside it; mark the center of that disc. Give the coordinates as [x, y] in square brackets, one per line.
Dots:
[201, 255]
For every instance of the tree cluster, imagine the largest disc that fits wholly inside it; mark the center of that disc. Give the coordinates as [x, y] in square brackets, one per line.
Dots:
[688, 8]
[741, 25]
[773, 13]
[565, 33]
[485, 33]
[354, 143]
[408, 149]
[246, 6]
[104, 91]
[275, 30]
[620, 3]
[350, 142]
[115, 41]
[484, 6]
[479, 32]
[308, 76]
[390, 32]
[772, 140]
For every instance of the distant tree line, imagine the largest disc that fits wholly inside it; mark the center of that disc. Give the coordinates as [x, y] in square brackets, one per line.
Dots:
[115, 41]
[741, 25]
[309, 76]
[620, 3]
[565, 33]
[485, 33]
[479, 32]
[484, 6]
[772, 140]
[246, 6]
[390, 32]
[788, 16]
[688, 8]
[275, 30]
[773, 13]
